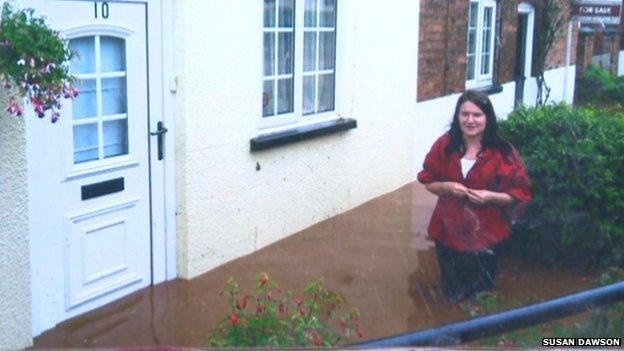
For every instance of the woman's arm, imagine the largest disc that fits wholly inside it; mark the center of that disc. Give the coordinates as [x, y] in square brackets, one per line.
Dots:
[447, 188]
[482, 197]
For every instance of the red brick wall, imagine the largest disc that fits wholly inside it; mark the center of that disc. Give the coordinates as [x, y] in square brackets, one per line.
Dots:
[442, 45]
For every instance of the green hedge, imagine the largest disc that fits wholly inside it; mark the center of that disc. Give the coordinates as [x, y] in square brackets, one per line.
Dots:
[575, 158]
[598, 86]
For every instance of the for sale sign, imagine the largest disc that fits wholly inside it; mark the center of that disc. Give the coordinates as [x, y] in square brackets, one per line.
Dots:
[597, 11]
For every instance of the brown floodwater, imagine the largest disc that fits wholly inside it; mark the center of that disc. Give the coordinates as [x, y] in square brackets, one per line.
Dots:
[376, 255]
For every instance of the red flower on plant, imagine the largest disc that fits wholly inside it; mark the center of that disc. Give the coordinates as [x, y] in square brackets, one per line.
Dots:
[317, 340]
[234, 319]
[264, 279]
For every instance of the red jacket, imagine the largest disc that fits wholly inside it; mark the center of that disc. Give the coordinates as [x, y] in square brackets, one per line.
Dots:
[460, 224]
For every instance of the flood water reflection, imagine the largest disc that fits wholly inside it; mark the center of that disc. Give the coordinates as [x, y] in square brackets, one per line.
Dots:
[376, 255]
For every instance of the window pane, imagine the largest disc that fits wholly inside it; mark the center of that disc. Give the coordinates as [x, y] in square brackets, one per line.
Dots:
[269, 54]
[268, 98]
[85, 143]
[284, 95]
[113, 96]
[486, 40]
[309, 90]
[470, 69]
[328, 11]
[113, 54]
[326, 92]
[485, 64]
[326, 50]
[269, 13]
[472, 41]
[85, 50]
[474, 9]
[487, 17]
[309, 51]
[285, 52]
[286, 13]
[115, 138]
[310, 14]
[85, 105]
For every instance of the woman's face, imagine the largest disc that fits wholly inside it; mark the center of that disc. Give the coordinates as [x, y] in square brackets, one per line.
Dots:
[472, 120]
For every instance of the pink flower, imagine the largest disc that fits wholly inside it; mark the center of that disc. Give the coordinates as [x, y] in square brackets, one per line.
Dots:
[14, 108]
[39, 107]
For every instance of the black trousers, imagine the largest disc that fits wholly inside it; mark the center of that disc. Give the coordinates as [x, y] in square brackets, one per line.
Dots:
[465, 274]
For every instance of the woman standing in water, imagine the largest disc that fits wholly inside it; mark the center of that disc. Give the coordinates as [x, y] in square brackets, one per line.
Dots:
[479, 178]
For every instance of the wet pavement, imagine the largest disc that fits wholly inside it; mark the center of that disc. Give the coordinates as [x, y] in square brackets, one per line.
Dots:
[376, 255]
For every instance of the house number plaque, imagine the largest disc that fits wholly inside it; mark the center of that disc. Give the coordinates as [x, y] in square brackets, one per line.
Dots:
[100, 9]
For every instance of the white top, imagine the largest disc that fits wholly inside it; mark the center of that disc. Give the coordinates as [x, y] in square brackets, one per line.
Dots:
[466, 165]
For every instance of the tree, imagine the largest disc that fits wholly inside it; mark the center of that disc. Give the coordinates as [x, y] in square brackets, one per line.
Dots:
[551, 24]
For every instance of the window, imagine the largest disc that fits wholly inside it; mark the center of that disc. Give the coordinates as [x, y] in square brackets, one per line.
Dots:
[299, 60]
[481, 33]
[99, 113]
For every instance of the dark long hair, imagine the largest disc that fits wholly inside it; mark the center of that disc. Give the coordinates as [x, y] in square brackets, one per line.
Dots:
[491, 136]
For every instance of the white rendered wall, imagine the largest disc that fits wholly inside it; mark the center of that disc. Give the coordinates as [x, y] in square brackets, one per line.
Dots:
[433, 117]
[14, 260]
[621, 64]
[226, 208]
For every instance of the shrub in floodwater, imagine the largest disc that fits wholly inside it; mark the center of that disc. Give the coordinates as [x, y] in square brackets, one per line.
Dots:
[575, 158]
[273, 318]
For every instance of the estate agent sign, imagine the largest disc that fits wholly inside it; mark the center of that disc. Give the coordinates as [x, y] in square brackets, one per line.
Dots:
[597, 11]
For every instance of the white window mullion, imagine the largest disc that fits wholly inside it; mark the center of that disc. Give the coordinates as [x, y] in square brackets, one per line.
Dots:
[318, 55]
[492, 25]
[98, 94]
[479, 48]
[298, 59]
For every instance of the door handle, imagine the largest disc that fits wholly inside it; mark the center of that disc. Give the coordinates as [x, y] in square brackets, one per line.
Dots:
[160, 132]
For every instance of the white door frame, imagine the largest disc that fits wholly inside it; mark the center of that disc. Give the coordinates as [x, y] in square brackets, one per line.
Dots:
[529, 10]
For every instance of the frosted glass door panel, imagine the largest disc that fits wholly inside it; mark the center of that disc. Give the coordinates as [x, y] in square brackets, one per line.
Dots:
[86, 143]
[113, 54]
[85, 104]
[113, 96]
[84, 62]
[115, 138]
[100, 112]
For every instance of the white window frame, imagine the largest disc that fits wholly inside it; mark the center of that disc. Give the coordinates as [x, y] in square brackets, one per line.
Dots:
[482, 79]
[282, 122]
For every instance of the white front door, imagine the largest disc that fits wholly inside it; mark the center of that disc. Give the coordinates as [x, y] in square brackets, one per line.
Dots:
[89, 173]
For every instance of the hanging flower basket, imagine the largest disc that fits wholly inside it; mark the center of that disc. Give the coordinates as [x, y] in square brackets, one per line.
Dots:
[32, 63]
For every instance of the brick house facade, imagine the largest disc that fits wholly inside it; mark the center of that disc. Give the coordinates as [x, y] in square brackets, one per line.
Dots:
[443, 45]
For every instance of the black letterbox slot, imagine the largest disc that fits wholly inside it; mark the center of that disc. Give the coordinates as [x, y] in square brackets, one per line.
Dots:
[102, 188]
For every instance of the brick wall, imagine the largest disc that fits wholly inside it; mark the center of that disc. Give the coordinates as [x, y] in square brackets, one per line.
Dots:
[442, 45]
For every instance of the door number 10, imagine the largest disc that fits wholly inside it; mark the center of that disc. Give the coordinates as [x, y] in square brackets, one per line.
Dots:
[101, 10]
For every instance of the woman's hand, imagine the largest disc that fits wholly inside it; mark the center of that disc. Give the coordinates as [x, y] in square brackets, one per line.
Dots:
[482, 197]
